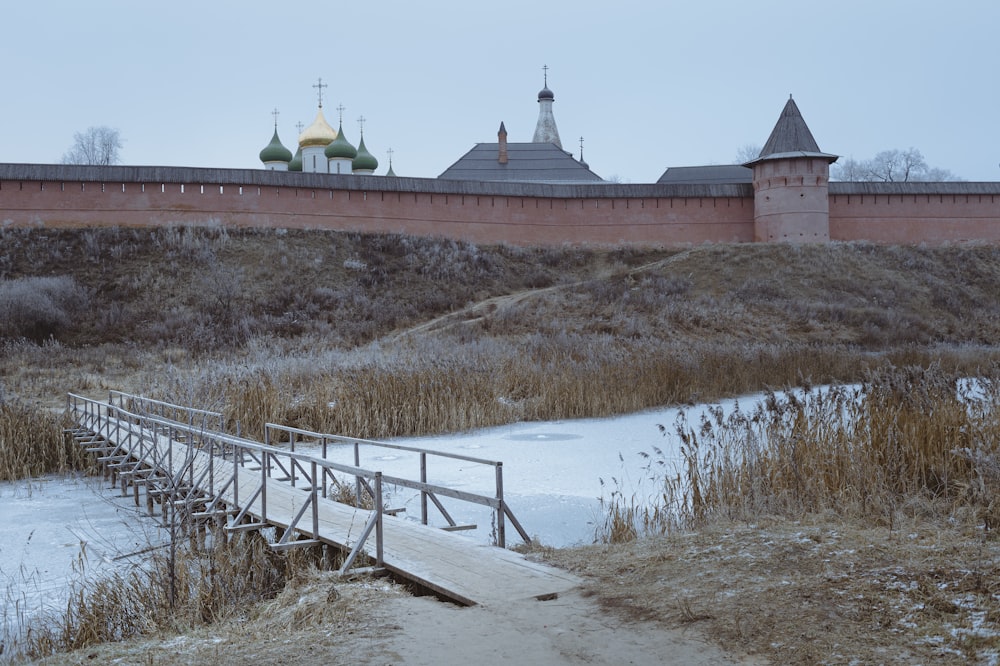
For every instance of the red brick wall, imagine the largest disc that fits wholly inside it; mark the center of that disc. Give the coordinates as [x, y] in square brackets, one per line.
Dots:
[915, 218]
[478, 218]
[58, 195]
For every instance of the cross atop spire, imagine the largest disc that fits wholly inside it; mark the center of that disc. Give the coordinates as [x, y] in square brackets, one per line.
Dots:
[275, 114]
[581, 148]
[340, 109]
[361, 124]
[319, 85]
[389, 152]
[545, 73]
[299, 125]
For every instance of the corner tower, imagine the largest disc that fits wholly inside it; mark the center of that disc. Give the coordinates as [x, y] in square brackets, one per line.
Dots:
[546, 130]
[790, 183]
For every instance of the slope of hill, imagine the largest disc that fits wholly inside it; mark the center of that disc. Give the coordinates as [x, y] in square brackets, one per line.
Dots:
[389, 335]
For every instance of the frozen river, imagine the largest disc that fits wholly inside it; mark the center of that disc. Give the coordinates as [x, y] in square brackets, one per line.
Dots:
[552, 471]
[55, 529]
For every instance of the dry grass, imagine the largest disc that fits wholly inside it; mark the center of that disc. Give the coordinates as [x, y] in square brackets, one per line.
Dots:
[903, 436]
[198, 587]
[32, 442]
[327, 619]
[813, 590]
[310, 328]
[861, 518]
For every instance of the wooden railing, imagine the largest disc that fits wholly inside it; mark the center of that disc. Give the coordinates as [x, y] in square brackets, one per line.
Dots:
[208, 420]
[502, 512]
[193, 461]
[198, 464]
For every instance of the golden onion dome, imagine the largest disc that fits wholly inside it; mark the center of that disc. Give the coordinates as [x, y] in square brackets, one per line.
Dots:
[318, 134]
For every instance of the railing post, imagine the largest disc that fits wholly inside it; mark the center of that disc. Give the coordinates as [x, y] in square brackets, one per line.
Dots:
[326, 470]
[315, 503]
[423, 492]
[263, 485]
[236, 478]
[211, 467]
[501, 537]
[357, 479]
[378, 519]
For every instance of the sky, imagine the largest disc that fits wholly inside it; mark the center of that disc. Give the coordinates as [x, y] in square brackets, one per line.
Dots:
[647, 85]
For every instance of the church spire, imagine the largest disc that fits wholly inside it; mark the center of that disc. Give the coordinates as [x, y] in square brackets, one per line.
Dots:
[546, 130]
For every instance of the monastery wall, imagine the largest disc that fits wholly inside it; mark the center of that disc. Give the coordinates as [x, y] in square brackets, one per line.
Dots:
[913, 213]
[516, 213]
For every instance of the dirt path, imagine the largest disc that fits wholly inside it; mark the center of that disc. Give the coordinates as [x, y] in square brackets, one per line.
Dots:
[476, 311]
[569, 630]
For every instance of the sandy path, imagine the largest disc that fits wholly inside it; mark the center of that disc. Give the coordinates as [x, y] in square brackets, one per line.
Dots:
[569, 630]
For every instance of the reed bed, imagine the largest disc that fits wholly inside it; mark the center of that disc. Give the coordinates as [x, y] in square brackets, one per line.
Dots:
[443, 385]
[32, 443]
[912, 440]
[199, 587]
[451, 385]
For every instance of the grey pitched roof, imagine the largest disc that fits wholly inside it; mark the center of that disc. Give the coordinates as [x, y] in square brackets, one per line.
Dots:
[691, 175]
[526, 162]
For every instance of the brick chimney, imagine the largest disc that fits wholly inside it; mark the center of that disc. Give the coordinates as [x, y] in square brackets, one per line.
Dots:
[502, 139]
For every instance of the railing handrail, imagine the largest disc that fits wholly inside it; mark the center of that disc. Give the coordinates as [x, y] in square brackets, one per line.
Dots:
[385, 445]
[142, 398]
[232, 440]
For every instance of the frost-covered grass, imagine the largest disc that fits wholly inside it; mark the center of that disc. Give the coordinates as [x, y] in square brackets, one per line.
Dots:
[906, 465]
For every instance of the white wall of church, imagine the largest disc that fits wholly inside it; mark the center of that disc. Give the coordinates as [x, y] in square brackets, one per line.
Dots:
[314, 159]
[340, 165]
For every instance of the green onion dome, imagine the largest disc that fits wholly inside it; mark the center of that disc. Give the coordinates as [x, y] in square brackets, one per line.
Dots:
[296, 163]
[275, 151]
[341, 147]
[365, 161]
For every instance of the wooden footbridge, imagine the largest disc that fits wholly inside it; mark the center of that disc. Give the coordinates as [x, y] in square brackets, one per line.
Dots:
[179, 460]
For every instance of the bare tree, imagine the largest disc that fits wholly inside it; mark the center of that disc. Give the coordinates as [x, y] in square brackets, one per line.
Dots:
[748, 152]
[98, 145]
[891, 166]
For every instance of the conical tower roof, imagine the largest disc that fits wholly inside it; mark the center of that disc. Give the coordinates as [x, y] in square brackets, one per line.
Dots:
[275, 151]
[791, 137]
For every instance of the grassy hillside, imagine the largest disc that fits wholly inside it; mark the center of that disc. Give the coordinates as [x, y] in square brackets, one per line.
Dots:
[865, 540]
[410, 335]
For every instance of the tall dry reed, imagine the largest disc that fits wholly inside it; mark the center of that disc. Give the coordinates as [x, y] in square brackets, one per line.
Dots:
[32, 443]
[903, 438]
[200, 587]
[447, 385]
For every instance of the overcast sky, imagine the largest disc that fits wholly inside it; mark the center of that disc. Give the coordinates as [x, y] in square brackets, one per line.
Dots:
[647, 84]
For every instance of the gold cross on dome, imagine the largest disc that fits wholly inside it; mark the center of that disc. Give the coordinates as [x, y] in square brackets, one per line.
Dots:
[319, 85]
